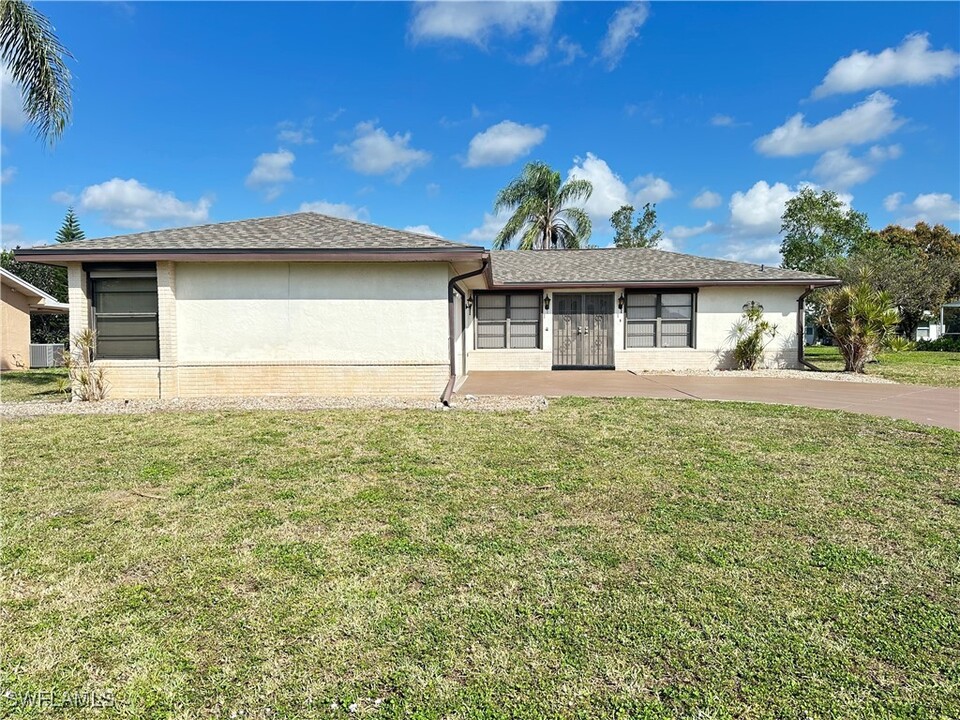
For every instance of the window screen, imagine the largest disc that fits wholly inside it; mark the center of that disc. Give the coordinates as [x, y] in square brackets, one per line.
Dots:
[507, 320]
[125, 317]
[659, 320]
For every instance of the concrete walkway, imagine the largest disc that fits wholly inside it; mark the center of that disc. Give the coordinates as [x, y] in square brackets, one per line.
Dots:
[928, 405]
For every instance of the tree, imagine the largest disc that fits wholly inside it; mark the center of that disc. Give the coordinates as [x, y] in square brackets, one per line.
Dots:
[859, 318]
[35, 59]
[818, 229]
[50, 279]
[70, 230]
[644, 234]
[544, 215]
[919, 269]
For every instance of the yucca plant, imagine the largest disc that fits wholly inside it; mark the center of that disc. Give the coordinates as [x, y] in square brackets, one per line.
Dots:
[860, 319]
[752, 334]
[899, 343]
[544, 214]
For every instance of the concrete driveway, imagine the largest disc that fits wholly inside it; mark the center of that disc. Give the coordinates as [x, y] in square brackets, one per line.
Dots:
[928, 405]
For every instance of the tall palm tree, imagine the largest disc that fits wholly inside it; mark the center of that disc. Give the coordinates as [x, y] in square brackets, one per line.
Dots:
[544, 216]
[34, 57]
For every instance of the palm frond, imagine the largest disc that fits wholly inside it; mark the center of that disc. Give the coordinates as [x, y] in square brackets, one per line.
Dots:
[35, 57]
[575, 190]
[579, 221]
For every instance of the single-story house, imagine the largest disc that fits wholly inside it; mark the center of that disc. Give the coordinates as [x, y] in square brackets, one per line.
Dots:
[945, 323]
[306, 304]
[19, 300]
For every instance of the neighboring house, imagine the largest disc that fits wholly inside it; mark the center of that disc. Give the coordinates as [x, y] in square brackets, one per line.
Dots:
[944, 323]
[306, 304]
[20, 299]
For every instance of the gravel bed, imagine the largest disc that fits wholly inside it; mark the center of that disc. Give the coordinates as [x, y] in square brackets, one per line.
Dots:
[777, 373]
[487, 403]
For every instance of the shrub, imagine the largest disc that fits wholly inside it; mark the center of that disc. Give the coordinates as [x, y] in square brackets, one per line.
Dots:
[752, 334]
[86, 381]
[898, 343]
[860, 320]
[943, 344]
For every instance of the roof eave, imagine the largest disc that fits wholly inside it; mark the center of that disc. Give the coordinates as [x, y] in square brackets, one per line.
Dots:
[797, 282]
[59, 256]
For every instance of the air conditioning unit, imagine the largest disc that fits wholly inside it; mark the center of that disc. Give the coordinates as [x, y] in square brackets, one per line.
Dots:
[46, 355]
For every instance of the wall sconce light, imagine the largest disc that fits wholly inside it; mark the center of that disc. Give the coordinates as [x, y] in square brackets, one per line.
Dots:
[620, 301]
[546, 302]
[469, 303]
[752, 305]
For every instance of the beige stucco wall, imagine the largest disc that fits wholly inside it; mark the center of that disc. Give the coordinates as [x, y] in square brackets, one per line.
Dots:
[14, 330]
[248, 329]
[718, 308]
[359, 313]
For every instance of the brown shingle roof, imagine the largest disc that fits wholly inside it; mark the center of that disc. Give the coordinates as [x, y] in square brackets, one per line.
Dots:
[299, 231]
[630, 266]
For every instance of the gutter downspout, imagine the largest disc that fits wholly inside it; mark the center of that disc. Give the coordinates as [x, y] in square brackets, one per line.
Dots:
[451, 322]
[801, 329]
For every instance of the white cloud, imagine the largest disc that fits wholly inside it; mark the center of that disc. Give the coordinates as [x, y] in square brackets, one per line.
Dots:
[131, 204]
[538, 53]
[340, 210]
[610, 192]
[839, 170]
[767, 253]
[433, 189]
[668, 243]
[12, 116]
[422, 230]
[10, 235]
[757, 211]
[478, 22]
[292, 133]
[624, 26]
[650, 189]
[912, 63]
[681, 232]
[489, 229]
[569, 50]
[752, 231]
[270, 172]
[62, 197]
[926, 207]
[706, 200]
[7, 175]
[869, 120]
[892, 202]
[374, 152]
[503, 143]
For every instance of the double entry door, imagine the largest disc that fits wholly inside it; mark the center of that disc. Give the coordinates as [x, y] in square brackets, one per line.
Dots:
[582, 330]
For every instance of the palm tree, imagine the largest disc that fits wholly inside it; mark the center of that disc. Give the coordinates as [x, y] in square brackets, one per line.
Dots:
[34, 57]
[543, 215]
[860, 319]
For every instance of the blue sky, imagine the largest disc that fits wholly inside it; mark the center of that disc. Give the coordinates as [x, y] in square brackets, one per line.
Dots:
[414, 115]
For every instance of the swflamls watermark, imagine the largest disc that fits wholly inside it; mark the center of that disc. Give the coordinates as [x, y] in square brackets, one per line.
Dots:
[53, 699]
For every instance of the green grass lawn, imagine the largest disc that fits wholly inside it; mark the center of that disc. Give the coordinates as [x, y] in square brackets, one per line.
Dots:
[919, 368]
[41, 385]
[630, 558]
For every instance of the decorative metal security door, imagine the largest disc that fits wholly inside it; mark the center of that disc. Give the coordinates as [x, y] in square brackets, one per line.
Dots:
[582, 330]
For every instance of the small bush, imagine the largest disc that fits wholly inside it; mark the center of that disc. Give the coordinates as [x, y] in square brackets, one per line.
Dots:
[898, 343]
[752, 334]
[86, 380]
[943, 344]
